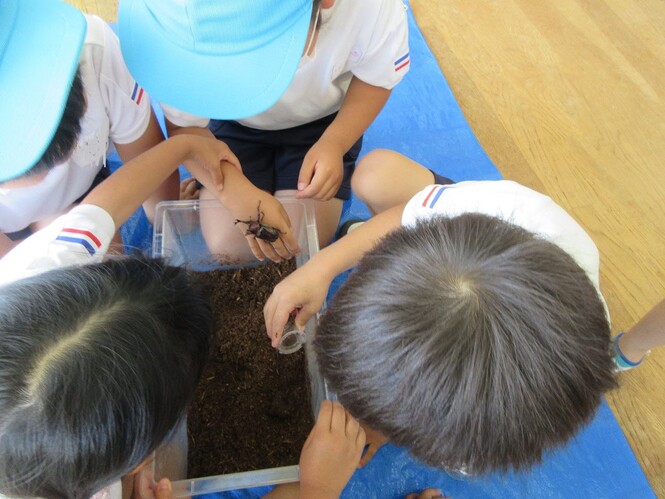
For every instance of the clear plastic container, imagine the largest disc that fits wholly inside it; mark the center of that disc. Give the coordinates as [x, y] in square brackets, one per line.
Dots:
[178, 236]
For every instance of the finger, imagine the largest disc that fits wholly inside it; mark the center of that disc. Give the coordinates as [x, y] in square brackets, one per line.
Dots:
[352, 425]
[302, 316]
[325, 413]
[143, 485]
[186, 183]
[233, 159]
[322, 423]
[164, 489]
[191, 188]
[281, 249]
[306, 172]
[327, 191]
[217, 177]
[268, 250]
[269, 310]
[254, 246]
[279, 319]
[288, 239]
[361, 438]
[338, 420]
[332, 191]
[314, 187]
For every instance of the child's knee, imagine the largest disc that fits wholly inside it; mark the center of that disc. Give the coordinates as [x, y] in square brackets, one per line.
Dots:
[368, 177]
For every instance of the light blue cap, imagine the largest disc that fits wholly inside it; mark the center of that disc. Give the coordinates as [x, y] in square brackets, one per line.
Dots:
[40, 44]
[222, 59]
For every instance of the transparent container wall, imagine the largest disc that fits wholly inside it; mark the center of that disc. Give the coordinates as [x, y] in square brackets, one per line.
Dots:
[201, 235]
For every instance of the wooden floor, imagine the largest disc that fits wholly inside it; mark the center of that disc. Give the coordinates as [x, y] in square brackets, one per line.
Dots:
[568, 97]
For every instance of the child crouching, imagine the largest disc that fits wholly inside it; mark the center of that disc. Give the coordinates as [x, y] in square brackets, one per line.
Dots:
[472, 331]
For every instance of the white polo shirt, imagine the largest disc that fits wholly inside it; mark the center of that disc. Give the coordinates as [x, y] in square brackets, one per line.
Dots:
[79, 237]
[118, 111]
[363, 38]
[513, 203]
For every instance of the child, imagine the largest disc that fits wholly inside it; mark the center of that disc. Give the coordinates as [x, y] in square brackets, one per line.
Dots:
[472, 332]
[632, 347]
[69, 100]
[309, 139]
[99, 359]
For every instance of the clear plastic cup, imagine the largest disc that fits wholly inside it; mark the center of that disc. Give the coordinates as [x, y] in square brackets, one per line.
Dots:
[291, 341]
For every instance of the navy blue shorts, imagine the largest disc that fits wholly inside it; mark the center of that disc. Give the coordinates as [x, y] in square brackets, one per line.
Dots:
[440, 179]
[271, 159]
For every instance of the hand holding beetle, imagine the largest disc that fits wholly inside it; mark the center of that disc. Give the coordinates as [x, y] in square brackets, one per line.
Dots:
[266, 226]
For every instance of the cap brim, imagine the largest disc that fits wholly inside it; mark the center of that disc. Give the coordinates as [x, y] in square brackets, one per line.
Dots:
[37, 66]
[219, 87]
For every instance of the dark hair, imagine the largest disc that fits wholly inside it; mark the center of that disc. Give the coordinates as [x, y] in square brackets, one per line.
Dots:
[68, 131]
[470, 341]
[97, 366]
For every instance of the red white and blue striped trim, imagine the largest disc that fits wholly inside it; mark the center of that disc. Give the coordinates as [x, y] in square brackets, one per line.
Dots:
[81, 238]
[402, 62]
[433, 196]
[137, 93]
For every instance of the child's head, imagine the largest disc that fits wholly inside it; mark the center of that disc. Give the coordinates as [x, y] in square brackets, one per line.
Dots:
[97, 366]
[224, 60]
[67, 132]
[40, 44]
[470, 341]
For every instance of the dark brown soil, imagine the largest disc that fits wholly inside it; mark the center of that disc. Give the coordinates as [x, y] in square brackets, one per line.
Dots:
[252, 409]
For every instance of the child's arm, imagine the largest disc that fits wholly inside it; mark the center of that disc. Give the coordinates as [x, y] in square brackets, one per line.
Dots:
[648, 333]
[173, 130]
[167, 190]
[242, 199]
[305, 289]
[322, 169]
[124, 191]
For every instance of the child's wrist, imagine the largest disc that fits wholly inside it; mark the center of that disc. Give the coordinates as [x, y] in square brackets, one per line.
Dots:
[337, 141]
[184, 145]
[237, 187]
[322, 267]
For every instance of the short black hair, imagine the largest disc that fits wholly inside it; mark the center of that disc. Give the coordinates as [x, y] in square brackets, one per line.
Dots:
[470, 341]
[66, 135]
[97, 366]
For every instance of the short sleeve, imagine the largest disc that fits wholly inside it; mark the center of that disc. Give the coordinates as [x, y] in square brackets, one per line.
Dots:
[386, 59]
[182, 119]
[79, 237]
[127, 103]
[515, 204]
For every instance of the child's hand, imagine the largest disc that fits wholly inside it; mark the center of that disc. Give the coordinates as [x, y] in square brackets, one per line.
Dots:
[189, 190]
[331, 453]
[205, 160]
[144, 488]
[321, 172]
[375, 440]
[304, 291]
[251, 205]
